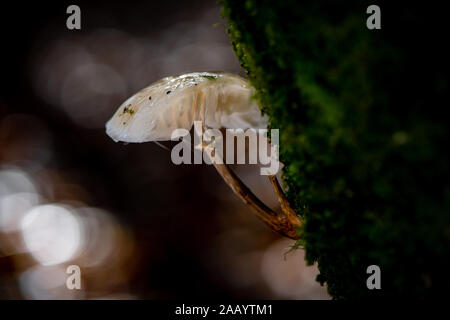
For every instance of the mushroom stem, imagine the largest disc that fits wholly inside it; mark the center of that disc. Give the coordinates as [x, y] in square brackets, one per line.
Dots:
[284, 223]
[288, 211]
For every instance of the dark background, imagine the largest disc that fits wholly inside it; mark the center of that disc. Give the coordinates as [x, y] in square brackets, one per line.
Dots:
[151, 229]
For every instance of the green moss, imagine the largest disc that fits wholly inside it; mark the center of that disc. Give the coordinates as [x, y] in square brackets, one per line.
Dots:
[212, 78]
[363, 135]
[128, 110]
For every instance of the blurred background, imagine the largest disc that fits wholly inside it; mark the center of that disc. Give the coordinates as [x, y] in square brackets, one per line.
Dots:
[138, 226]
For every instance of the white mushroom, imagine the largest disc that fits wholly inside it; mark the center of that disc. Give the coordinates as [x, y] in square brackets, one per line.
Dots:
[218, 100]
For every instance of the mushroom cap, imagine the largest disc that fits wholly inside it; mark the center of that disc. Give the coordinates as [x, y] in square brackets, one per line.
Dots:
[220, 100]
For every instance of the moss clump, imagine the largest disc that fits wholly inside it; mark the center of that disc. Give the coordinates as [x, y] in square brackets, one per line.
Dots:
[128, 110]
[363, 134]
[212, 78]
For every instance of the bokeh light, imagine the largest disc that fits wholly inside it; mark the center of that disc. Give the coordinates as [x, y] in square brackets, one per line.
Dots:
[51, 233]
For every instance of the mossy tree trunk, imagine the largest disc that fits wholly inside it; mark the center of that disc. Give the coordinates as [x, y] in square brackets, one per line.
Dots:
[363, 134]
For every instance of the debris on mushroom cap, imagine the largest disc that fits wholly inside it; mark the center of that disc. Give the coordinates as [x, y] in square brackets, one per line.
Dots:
[220, 100]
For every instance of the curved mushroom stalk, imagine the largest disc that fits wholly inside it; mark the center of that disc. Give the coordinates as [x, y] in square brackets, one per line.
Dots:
[285, 223]
[290, 213]
[218, 100]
